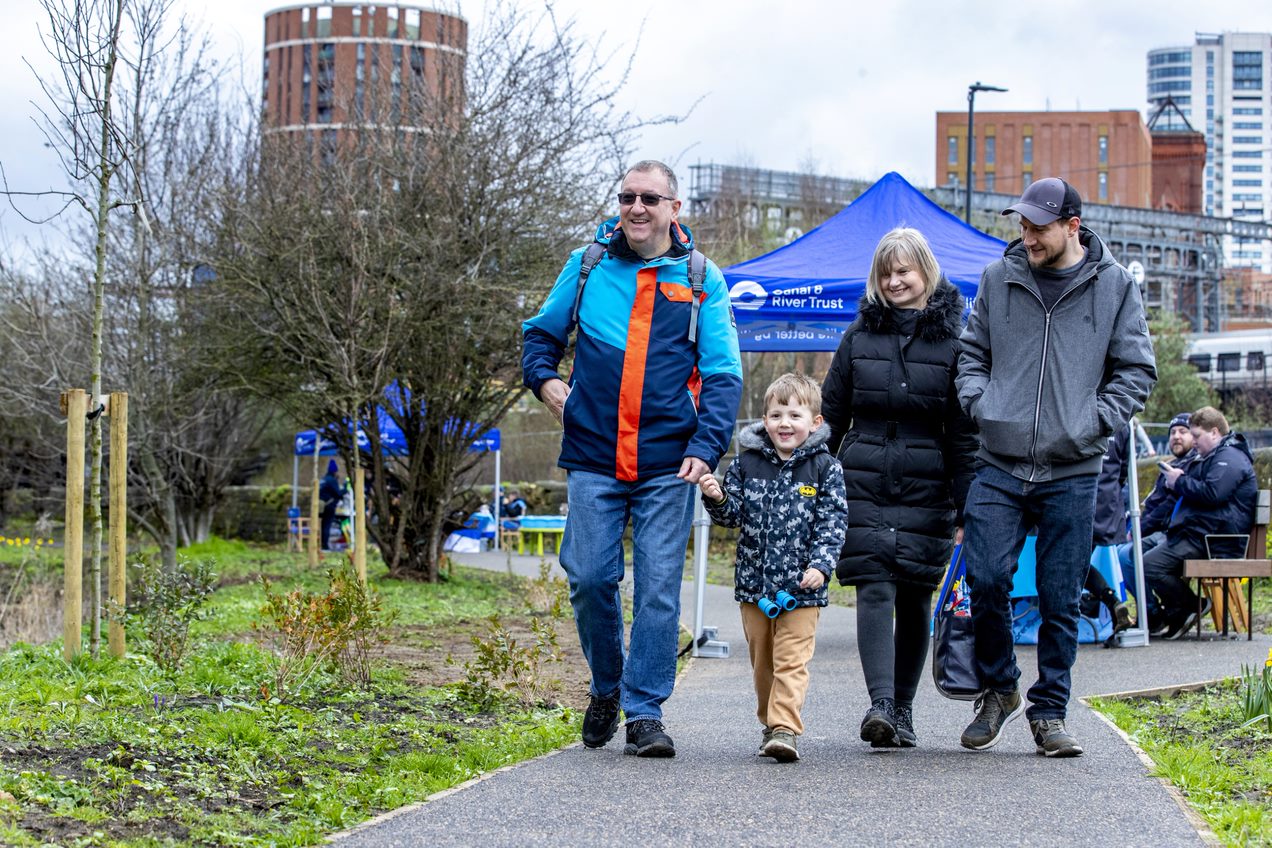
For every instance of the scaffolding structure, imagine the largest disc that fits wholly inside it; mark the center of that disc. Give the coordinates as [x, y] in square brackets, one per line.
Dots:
[1181, 255]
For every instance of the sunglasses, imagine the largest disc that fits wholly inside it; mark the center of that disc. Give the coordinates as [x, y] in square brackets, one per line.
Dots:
[647, 198]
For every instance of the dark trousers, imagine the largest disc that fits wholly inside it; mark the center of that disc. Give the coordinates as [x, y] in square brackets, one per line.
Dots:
[999, 513]
[328, 519]
[892, 659]
[1163, 578]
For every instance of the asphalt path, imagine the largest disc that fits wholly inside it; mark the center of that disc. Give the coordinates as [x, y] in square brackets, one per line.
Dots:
[841, 792]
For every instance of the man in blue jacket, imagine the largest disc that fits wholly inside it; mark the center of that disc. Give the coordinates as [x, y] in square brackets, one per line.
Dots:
[648, 409]
[1055, 359]
[1218, 495]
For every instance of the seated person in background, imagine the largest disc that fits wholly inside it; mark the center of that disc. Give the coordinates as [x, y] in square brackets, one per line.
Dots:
[1217, 496]
[1158, 506]
[511, 508]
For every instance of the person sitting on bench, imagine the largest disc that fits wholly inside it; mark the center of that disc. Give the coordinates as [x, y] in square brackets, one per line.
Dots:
[1217, 497]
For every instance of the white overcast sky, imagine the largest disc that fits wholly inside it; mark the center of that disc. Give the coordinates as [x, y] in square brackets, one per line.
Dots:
[848, 86]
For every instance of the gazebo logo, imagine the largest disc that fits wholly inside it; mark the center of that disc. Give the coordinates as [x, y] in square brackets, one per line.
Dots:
[748, 294]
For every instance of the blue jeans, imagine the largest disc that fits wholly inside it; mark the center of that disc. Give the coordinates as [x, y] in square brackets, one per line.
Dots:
[999, 513]
[660, 510]
[1126, 556]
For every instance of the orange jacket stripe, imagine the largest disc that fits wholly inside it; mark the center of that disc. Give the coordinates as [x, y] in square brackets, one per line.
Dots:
[633, 386]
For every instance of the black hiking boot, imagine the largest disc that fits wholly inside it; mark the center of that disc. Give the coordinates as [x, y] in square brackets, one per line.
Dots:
[646, 738]
[879, 727]
[600, 721]
[905, 726]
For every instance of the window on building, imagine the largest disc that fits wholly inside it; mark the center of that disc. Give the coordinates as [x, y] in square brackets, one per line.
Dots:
[1247, 154]
[1247, 139]
[1247, 183]
[306, 80]
[951, 178]
[1103, 147]
[411, 25]
[1248, 169]
[1247, 125]
[392, 12]
[1246, 196]
[1103, 186]
[371, 21]
[991, 149]
[1247, 69]
[324, 21]
[395, 78]
[1200, 361]
[1026, 177]
[1248, 110]
[359, 84]
[1026, 147]
[329, 147]
[951, 147]
[989, 178]
[1254, 360]
[1228, 362]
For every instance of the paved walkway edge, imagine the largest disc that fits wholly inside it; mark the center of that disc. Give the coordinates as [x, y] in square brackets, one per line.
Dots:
[459, 787]
[1195, 818]
[473, 781]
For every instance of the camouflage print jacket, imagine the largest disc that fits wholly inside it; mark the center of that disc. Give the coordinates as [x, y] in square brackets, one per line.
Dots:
[792, 514]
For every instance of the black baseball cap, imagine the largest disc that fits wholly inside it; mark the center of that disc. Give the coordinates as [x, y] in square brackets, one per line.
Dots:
[1047, 200]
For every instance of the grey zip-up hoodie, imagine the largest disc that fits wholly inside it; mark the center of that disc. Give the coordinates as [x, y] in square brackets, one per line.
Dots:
[1047, 389]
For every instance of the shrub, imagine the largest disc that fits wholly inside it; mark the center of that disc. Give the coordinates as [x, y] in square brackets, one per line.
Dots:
[168, 601]
[337, 629]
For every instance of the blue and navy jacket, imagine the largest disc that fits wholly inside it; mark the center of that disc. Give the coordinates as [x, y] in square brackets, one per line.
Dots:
[1218, 495]
[642, 396]
[792, 512]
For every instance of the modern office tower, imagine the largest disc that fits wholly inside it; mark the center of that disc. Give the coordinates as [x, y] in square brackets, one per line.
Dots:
[335, 68]
[1106, 156]
[1221, 84]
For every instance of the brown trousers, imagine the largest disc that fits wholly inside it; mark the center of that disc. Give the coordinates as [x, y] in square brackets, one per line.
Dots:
[780, 650]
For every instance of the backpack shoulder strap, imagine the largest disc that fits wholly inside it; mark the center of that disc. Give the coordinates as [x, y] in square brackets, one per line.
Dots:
[591, 257]
[697, 274]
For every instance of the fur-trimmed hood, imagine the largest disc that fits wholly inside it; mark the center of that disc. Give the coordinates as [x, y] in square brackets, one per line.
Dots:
[754, 437]
[941, 319]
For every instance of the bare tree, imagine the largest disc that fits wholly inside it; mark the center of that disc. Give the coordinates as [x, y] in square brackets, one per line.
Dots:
[391, 282]
[167, 142]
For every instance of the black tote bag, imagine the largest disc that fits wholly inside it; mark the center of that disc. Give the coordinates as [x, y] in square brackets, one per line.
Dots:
[953, 642]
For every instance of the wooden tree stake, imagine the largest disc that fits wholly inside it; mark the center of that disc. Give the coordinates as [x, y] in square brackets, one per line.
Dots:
[118, 520]
[76, 405]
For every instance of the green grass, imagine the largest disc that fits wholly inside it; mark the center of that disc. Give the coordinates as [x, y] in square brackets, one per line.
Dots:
[115, 752]
[1198, 743]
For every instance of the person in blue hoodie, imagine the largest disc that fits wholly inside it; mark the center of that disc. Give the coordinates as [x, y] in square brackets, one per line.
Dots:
[647, 409]
[1218, 495]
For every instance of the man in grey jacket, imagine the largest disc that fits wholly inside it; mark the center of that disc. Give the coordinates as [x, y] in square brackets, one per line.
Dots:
[1055, 358]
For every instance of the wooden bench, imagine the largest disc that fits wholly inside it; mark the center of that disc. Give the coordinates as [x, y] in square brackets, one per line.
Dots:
[1221, 578]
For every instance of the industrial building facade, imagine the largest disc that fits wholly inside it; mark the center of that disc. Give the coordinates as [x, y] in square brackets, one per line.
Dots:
[1107, 156]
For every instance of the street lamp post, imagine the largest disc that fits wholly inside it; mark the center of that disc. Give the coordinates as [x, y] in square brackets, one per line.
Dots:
[971, 141]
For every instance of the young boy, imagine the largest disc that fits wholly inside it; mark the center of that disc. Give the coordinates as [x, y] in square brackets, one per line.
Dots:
[786, 492]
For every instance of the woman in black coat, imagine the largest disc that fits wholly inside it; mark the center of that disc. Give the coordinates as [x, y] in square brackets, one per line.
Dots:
[906, 449]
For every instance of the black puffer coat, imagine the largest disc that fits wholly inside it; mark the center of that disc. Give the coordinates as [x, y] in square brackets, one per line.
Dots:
[905, 445]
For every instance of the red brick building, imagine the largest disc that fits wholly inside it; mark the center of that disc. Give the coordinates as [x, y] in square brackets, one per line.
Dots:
[1106, 156]
[334, 67]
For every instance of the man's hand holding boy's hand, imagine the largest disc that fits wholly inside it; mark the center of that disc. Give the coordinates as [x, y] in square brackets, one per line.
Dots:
[710, 487]
[812, 579]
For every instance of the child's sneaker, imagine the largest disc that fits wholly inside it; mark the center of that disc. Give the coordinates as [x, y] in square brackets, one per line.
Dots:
[781, 747]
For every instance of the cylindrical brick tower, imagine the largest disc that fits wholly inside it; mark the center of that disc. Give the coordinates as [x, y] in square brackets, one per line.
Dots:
[333, 68]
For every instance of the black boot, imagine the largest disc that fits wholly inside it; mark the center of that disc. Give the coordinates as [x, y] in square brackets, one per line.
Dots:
[1119, 611]
[905, 726]
[879, 727]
